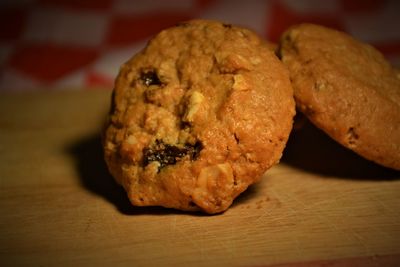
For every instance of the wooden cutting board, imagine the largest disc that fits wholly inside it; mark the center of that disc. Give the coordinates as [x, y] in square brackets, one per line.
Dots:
[60, 207]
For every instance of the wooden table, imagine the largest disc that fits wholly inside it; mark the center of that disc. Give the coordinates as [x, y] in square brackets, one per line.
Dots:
[60, 207]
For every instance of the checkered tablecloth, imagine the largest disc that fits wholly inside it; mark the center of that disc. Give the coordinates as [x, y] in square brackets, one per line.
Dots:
[54, 44]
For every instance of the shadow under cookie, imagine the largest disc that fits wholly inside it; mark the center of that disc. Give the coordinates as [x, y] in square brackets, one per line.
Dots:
[93, 174]
[311, 150]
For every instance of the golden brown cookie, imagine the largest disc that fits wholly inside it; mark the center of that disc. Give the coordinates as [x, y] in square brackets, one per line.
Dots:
[347, 89]
[198, 116]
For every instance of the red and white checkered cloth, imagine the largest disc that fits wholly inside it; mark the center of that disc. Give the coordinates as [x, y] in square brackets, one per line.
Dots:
[82, 43]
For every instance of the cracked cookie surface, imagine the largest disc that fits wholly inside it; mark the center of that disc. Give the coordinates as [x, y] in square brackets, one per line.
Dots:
[347, 89]
[197, 116]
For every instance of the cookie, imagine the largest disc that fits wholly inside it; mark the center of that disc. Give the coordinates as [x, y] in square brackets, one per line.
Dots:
[198, 116]
[347, 89]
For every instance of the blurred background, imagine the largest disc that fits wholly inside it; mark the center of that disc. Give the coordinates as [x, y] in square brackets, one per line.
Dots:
[80, 44]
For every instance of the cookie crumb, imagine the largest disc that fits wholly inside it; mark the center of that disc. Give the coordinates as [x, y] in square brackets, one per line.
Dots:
[352, 137]
[255, 60]
[195, 101]
[131, 140]
[239, 83]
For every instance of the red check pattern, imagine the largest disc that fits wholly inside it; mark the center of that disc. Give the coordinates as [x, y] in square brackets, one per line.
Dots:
[81, 43]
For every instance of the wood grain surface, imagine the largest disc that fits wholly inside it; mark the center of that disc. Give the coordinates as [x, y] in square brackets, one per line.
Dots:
[60, 207]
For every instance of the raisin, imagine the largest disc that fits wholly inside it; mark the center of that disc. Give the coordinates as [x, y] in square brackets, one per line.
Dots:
[184, 125]
[150, 78]
[195, 150]
[167, 154]
[226, 25]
